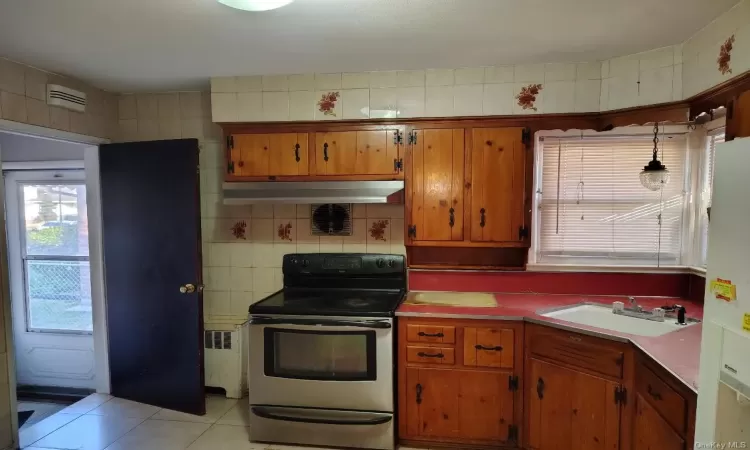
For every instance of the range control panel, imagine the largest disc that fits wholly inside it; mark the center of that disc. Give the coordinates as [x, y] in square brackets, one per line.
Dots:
[344, 264]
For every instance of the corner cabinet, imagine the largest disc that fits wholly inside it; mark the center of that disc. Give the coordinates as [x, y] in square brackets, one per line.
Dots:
[459, 382]
[364, 152]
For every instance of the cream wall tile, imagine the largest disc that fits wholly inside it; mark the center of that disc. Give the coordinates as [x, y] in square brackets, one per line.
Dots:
[263, 254]
[559, 97]
[604, 96]
[275, 83]
[275, 106]
[469, 75]
[79, 124]
[359, 232]
[397, 231]
[467, 100]
[250, 84]
[262, 211]
[147, 106]
[240, 255]
[223, 84]
[221, 255]
[623, 92]
[36, 83]
[589, 71]
[304, 233]
[170, 128]
[440, 77]
[192, 128]
[241, 279]
[37, 112]
[498, 99]
[529, 73]
[302, 82]
[240, 302]
[656, 85]
[263, 230]
[224, 107]
[331, 247]
[384, 103]
[741, 54]
[308, 247]
[126, 107]
[378, 247]
[654, 59]
[217, 278]
[677, 82]
[384, 79]
[410, 101]
[587, 95]
[395, 210]
[410, 78]
[128, 129]
[59, 118]
[354, 248]
[359, 211]
[334, 113]
[605, 69]
[284, 211]
[439, 101]
[624, 67]
[168, 105]
[398, 249]
[190, 105]
[249, 107]
[302, 105]
[355, 80]
[499, 74]
[559, 72]
[216, 303]
[356, 103]
[12, 77]
[263, 279]
[280, 249]
[327, 81]
[303, 211]
[13, 106]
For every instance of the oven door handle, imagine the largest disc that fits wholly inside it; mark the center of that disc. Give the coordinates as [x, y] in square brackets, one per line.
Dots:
[380, 324]
[266, 413]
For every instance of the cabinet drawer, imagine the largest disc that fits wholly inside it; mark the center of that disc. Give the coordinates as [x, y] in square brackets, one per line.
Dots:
[488, 347]
[430, 355]
[577, 350]
[663, 398]
[431, 333]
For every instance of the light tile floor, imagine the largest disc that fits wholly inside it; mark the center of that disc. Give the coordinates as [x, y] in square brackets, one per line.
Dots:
[100, 422]
[42, 410]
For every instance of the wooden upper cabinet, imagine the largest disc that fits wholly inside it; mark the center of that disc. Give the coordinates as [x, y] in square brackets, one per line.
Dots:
[435, 185]
[264, 155]
[358, 153]
[570, 410]
[498, 172]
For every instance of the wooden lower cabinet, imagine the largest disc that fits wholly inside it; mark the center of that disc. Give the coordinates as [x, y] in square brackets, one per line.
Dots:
[570, 410]
[651, 431]
[458, 404]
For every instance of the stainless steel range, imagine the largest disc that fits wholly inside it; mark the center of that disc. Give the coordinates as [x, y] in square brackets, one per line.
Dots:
[321, 352]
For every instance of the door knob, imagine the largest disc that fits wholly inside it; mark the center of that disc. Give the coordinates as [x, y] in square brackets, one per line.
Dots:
[187, 289]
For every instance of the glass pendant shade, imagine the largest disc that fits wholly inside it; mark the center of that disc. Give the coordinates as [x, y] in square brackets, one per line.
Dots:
[654, 176]
[255, 5]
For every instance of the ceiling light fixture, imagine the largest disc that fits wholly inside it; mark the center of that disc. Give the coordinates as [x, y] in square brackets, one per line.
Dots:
[255, 5]
[655, 175]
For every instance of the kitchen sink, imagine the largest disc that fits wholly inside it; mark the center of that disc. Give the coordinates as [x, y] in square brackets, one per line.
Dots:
[602, 316]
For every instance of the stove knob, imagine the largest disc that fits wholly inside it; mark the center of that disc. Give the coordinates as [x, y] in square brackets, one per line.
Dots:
[305, 262]
[380, 263]
[392, 263]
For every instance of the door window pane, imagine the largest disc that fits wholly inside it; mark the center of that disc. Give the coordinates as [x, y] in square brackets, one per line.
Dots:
[55, 219]
[321, 355]
[59, 295]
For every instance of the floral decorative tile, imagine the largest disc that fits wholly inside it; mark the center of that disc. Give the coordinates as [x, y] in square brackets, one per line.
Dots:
[239, 230]
[379, 230]
[527, 97]
[327, 103]
[725, 56]
[284, 231]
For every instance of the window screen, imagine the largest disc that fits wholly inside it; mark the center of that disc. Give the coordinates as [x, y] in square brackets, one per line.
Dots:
[594, 210]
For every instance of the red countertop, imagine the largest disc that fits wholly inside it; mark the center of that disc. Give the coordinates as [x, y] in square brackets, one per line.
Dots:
[678, 351]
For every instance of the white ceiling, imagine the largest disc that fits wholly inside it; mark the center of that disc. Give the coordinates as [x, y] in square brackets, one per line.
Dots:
[142, 45]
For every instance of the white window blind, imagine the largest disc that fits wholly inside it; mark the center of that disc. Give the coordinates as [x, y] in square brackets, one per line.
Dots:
[707, 189]
[594, 209]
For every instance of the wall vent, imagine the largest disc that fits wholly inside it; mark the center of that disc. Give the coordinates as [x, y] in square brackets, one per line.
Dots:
[331, 220]
[218, 340]
[66, 98]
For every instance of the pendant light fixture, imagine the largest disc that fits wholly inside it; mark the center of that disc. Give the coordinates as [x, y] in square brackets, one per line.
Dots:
[255, 5]
[655, 175]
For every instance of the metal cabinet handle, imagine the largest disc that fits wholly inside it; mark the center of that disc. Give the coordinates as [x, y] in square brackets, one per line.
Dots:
[482, 347]
[422, 333]
[655, 395]
[481, 217]
[452, 220]
[419, 393]
[325, 151]
[296, 152]
[430, 355]
[540, 388]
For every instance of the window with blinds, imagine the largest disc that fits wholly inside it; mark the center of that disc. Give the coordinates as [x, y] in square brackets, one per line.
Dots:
[594, 210]
[715, 138]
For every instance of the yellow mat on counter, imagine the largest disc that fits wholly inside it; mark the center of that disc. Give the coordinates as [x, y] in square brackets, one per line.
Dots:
[473, 299]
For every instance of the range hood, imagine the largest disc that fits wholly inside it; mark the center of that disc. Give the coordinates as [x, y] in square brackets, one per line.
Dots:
[309, 192]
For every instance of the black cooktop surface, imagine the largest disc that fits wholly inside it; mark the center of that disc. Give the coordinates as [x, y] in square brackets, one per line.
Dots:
[331, 302]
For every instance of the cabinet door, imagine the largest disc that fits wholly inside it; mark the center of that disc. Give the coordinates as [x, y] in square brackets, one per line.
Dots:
[569, 410]
[288, 154]
[651, 431]
[459, 404]
[498, 167]
[252, 150]
[356, 153]
[488, 347]
[435, 185]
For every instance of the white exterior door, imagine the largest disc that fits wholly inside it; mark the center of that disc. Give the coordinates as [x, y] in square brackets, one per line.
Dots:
[48, 247]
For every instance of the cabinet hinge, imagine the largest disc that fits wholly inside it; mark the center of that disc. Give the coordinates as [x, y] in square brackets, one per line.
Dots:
[621, 395]
[230, 142]
[412, 231]
[398, 138]
[412, 138]
[512, 382]
[526, 136]
[512, 433]
[398, 165]
[230, 167]
[523, 233]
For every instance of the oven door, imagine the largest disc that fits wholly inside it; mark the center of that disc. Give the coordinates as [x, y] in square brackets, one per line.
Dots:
[322, 362]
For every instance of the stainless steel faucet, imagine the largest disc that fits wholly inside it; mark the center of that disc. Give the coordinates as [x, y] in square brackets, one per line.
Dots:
[634, 304]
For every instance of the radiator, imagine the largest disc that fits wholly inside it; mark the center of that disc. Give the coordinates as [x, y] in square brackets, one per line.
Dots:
[225, 358]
